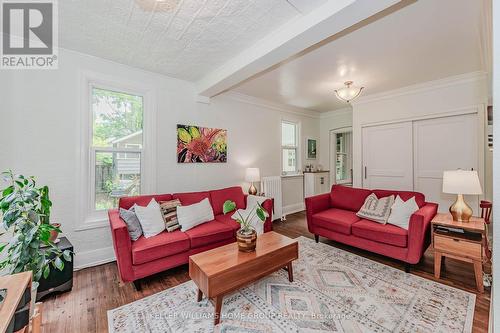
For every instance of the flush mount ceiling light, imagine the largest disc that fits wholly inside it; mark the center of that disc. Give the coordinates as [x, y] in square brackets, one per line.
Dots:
[348, 93]
[157, 5]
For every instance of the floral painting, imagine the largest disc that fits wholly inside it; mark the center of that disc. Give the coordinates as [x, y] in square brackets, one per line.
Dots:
[197, 144]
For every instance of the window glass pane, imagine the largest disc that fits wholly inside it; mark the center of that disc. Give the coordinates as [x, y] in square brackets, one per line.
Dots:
[117, 119]
[117, 174]
[289, 160]
[288, 134]
[341, 167]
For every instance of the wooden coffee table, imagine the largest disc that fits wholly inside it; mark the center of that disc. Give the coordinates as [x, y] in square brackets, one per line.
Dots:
[222, 270]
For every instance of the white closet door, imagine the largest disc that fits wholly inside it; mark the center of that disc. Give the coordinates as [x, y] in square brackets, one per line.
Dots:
[388, 157]
[446, 143]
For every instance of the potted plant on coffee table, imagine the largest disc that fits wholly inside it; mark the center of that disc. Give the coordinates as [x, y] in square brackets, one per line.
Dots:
[22, 215]
[246, 236]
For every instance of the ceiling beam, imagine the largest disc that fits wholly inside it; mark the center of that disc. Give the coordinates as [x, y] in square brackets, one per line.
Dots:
[294, 37]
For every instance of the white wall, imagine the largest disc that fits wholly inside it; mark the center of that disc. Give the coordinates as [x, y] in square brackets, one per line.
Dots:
[431, 99]
[40, 135]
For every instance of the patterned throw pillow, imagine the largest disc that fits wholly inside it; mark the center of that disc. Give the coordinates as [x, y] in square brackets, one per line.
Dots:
[169, 212]
[377, 210]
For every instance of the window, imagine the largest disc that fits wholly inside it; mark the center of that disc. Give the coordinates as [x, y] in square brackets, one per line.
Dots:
[343, 158]
[116, 147]
[289, 147]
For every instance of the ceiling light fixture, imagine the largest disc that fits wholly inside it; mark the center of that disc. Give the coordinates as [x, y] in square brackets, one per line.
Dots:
[348, 93]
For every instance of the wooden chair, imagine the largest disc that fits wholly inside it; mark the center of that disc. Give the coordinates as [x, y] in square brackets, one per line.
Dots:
[486, 207]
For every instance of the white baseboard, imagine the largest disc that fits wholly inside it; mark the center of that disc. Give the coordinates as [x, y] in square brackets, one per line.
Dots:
[295, 208]
[94, 257]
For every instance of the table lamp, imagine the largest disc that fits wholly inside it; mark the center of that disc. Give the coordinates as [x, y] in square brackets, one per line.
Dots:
[252, 175]
[461, 182]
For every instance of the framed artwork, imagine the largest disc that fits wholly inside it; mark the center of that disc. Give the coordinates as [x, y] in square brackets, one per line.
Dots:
[197, 144]
[312, 147]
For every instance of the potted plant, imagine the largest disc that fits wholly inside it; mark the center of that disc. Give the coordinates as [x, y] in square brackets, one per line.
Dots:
[24, 215]
[246, 236]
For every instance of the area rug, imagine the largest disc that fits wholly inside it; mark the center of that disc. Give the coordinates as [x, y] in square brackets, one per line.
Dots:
[333, 291]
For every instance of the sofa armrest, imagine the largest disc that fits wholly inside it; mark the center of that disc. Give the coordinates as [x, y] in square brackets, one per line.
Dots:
[268, 205]
[316, 204]
[122, 245]
[419, 236]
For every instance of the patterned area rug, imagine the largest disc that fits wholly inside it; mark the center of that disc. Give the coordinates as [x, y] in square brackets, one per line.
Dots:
[333, 291]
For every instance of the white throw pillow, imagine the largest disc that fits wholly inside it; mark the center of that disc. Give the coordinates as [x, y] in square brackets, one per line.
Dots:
[193, 215]
[150, 218]
[401, 212]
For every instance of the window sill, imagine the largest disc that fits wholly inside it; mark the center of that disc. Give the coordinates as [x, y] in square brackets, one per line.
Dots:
[90, 224]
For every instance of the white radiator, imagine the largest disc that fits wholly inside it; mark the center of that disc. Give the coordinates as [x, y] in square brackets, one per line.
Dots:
[271, 186]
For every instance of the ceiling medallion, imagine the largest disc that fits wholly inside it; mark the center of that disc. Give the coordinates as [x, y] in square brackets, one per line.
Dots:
[157, 5]
[348, 93]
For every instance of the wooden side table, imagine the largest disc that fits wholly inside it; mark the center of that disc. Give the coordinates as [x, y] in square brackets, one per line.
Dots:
[459, 240]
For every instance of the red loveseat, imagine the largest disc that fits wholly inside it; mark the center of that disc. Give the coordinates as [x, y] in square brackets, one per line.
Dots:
[147, 256]
[333, 215]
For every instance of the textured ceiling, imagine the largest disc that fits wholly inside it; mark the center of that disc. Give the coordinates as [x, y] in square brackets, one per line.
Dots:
[187, 42]
[427, 40]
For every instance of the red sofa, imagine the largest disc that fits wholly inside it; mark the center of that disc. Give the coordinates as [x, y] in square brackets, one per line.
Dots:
[333, 215]
[147, 256]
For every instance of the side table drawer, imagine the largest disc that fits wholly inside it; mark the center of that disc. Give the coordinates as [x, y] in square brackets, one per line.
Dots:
[458, 246]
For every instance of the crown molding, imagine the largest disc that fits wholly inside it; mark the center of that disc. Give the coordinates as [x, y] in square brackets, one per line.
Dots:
[243, 98]
[336, 112]
[423, 87]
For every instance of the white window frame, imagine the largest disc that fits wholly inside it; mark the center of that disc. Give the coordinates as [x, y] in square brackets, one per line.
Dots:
[296, 147]
[90, 217]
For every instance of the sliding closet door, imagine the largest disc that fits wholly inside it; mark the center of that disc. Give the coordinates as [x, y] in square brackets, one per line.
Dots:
[446, 143]
[388, 156]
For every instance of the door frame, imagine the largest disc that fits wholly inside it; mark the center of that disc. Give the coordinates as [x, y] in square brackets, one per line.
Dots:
[333, 157]
[481, 114]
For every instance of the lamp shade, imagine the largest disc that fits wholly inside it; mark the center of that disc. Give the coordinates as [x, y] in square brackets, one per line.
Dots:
[252, 175]
[461, 182]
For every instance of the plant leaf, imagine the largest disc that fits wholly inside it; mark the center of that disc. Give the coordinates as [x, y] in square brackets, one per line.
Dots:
[59, 263]
[67, 255]
[228, 206]
[46, 271]
[261, 214]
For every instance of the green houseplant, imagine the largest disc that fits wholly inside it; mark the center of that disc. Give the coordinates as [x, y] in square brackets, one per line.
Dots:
[24, 210]
[246, 236]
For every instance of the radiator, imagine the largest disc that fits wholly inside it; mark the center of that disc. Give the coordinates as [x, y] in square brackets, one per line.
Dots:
[271, 187]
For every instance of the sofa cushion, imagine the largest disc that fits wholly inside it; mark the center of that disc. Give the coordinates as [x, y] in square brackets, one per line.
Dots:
[208, 233]
[405, 195]
[348, 198]
[334, 219]
[227, 220]
[162, 245]
[382, 233]
[190, 198]
[218, 197]
[142, 200]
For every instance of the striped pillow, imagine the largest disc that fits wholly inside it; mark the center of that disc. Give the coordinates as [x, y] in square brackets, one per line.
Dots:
[169, 212]
[377, 210]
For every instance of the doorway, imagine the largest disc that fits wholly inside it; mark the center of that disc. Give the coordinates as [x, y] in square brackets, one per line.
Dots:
[341, 156]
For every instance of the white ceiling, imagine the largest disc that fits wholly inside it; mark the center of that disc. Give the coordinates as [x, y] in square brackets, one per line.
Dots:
[427, 40]
[194, 38]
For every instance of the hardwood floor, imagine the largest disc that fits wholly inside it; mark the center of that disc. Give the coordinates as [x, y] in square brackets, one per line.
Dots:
[98, 289]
